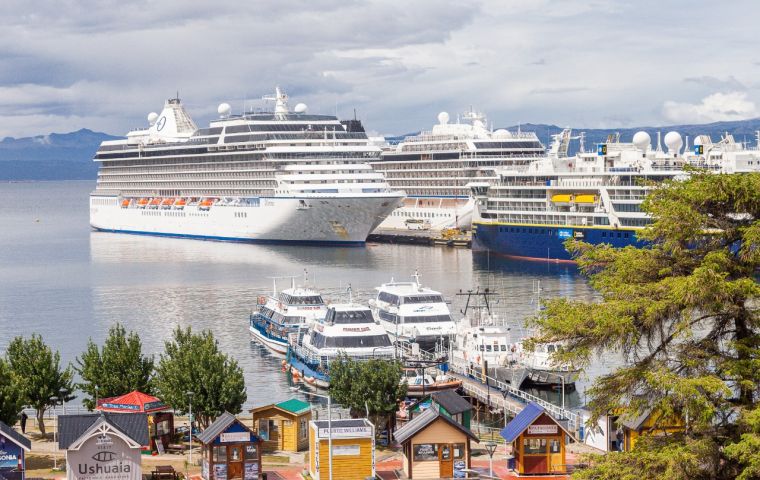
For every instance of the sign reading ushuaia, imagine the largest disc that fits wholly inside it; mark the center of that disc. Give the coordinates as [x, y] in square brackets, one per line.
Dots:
[101, 447]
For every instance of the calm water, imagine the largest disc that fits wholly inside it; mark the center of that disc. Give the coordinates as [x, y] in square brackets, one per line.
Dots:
[61, 280]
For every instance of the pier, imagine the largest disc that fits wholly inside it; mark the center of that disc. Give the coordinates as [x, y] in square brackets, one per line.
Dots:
[445, 238]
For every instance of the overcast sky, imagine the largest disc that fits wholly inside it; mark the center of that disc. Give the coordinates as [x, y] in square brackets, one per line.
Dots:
[69, 64]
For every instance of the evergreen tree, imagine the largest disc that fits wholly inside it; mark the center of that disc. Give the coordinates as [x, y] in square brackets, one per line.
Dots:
[38, 370]
[373, 385]
[11, 400]
[683, 313]
[118, 369]
[193, 363]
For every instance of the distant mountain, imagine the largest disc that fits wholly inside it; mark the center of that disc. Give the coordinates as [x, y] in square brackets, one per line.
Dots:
[58, 156]
[68, 156]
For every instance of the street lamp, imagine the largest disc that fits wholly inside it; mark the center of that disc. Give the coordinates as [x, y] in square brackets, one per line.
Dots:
[96, 396]
[190, 403]
[55, 429]
[490, 448]
[329, 429]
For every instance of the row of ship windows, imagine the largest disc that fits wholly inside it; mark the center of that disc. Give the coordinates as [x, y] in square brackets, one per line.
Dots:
[241, 214]
[401, 213]
[185, 175]
[552, 231]
[205, 184]
[353, 180]
[439, 165]
[104, 201]
[314, 157]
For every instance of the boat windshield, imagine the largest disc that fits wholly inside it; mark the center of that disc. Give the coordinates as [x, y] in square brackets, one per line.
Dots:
[322, 341]
[428, 319]
[423, 299]
[348, 317]
[301, 300]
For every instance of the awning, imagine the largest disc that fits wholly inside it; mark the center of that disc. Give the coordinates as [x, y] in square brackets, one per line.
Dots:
[132, 402]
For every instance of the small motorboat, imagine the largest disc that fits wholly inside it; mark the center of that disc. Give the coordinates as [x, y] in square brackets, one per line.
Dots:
[420, 384]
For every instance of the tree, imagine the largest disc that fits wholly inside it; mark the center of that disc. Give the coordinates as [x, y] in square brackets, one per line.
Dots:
[683, 313]
[11, 400]
[118, 369]
[38, 369]
[193, 363]
[374, 385]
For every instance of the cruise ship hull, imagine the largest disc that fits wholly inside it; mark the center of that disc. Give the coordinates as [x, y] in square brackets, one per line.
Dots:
[310, 220]
[431, 213]
[544, 242]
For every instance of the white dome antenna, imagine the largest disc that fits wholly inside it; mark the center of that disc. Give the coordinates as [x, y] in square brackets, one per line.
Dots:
[300, 108]
[674, 142]
[224, 110]
[642, 140]
[152, 117]
[443, 118]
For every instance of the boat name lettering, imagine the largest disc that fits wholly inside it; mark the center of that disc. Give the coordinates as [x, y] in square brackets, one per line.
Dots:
[356, 329]
[565, 233]
[578, 234]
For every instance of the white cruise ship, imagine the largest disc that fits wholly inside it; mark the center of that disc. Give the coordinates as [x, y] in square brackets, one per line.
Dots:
[594, 196]
[434, 168]
[281, 176]
[410, 312]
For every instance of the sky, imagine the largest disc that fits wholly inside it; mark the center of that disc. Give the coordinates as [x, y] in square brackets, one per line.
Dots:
[104, 65]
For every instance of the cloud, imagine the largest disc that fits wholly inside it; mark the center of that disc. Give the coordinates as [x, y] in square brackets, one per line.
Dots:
[714, 83]
[557, 90]
[713, 108]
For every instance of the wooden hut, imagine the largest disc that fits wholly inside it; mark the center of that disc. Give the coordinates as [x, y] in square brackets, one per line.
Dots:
[353, 449]
[435, 446]
[538, 442]
[13, 448]
[159, 414]
[446, 402]
[283, 426]
[231, 451]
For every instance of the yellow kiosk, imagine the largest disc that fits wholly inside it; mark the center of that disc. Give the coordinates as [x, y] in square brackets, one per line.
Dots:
[353, 449]
[283, 426]
[538, 442]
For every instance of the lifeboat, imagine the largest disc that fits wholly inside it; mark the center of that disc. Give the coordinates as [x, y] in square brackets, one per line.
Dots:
[155, 202]
[585, 199]
[167, 203]
[180, 203]
[125, 203]
[142, 202]
[561, 199]
[206, 204]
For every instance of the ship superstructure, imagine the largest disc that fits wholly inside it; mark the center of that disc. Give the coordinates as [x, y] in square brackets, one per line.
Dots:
[435, 167]
[531, 210]
[261, 176]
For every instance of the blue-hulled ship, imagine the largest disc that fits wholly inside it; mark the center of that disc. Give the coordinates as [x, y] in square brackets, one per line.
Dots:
[530, 211]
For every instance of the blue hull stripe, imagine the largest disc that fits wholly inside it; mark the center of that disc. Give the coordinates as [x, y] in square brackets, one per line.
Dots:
[235, 239]
[546, 243]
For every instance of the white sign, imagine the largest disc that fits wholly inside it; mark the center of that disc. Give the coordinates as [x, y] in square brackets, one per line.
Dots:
[235, 437]
[542, 429]
[346, 450]
[346, 432]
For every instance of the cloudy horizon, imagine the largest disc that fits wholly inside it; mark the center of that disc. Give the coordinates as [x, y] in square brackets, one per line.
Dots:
[104, 65]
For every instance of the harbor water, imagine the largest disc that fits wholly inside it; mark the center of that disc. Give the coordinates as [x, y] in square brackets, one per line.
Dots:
[69, 284]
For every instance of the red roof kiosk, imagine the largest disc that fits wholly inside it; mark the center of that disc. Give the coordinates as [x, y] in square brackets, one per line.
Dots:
[160, 417]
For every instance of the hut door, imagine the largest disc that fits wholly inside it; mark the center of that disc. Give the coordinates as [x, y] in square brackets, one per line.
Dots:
[446, 460]
[234, 462]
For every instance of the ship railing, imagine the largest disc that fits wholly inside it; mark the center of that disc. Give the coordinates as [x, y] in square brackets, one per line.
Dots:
[574, 420]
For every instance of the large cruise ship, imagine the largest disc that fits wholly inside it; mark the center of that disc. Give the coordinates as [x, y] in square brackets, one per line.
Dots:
[278, 176]
[434, 168]
[594, 196]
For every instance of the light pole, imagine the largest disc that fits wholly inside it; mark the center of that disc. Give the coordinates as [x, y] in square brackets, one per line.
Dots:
[329, 429]
[190, 403]
[96, 396]
[55, 429]
[491, 449]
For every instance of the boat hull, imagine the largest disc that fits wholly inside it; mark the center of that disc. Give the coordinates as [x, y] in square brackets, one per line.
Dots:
[431, 213]
[273, 344]
[311, 220]
[544, 242]
[304, 372]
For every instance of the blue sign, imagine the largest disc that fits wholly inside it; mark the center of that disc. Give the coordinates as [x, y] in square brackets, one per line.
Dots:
[565, 233]
[699, 149]
[601, 149]
[459, 469]
[10, 453]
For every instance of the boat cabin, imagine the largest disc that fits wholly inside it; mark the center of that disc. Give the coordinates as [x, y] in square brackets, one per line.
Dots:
[353, 449]
[434, 445]
[230, 450]
[283, 426]
[13, 448]
[538, 442]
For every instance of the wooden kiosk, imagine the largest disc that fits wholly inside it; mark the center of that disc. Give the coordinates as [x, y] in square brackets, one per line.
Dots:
[283, 426]
[538, 442]
[160, 416]
[353, 449]
[13, 447]
[435, 446]
[230, 451]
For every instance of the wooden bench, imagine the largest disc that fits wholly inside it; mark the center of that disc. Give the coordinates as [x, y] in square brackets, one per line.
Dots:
[164, 472]
[176, 448]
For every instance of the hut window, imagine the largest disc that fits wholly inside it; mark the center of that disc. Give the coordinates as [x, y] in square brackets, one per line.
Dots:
[554, 446]
[251, 453]
[534, 446]
[459, 450]
[425, 452]
[220, 455]
[303, 432]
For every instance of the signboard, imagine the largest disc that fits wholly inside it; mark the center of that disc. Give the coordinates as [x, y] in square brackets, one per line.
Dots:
[346, 432]
[235, 437]
[121, 406]
[601, 149]
[10, 453]
[346, 450]
[579, 234]
[565, 232]
[424, 452]
[699, 149]
[204, 468]
[459, 469]
[251, 471]
[220, 471]
[542, 429]
[104, 457]
[160, 446]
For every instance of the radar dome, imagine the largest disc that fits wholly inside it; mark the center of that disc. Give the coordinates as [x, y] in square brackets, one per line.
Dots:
[301, 108]
[673, 141]
[152, 117]
[503, 133]
[698, 140]
[642, 140]
[224, 109]
[443, 118]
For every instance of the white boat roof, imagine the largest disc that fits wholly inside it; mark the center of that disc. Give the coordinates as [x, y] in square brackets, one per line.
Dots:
[406, 289]
[301, 292]
[348, 307]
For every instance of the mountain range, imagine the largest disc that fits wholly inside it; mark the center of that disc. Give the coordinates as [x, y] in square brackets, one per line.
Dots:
[68, 156]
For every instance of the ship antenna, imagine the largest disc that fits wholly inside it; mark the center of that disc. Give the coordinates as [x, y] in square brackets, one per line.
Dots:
[350, 294]
[274, 287]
